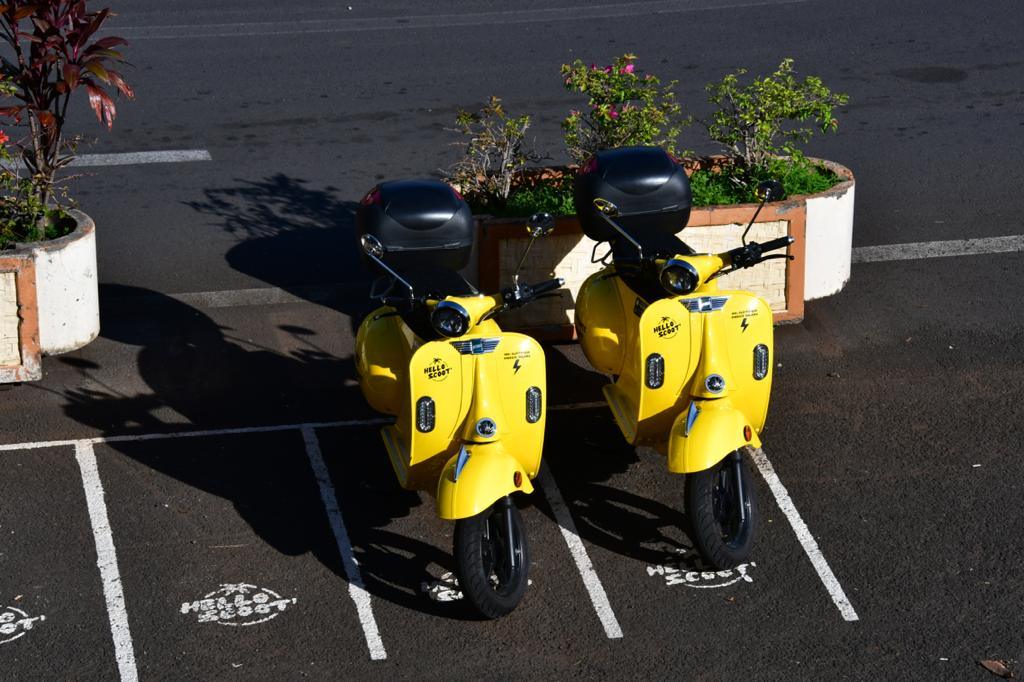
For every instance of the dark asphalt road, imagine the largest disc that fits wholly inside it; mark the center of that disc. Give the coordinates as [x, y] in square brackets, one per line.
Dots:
[895, 423]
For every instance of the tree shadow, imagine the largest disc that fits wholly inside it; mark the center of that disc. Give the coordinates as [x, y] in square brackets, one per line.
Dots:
[293, 237]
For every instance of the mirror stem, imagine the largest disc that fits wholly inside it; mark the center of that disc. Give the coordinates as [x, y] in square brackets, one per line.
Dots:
[515, 277]
[391, 272]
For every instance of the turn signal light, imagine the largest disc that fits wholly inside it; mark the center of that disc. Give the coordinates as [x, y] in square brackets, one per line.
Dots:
[655, 375]
[760, 361]
[425, 414]
[517, 478]
[533, 404]
[747, 433]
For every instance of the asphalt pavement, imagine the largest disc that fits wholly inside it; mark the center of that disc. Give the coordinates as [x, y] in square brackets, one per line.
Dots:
[177, 459]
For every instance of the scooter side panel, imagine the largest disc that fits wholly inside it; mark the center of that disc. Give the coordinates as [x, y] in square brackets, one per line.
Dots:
[382, 356]
[668, 330]
[439, 372]
[747, 322]
[601, 322]
[518, 365]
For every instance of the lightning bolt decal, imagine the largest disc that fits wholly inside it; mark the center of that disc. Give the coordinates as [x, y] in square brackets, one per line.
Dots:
[516, 366]
[744, 324]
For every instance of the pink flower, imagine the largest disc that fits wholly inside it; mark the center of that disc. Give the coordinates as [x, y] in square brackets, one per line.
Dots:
[607, 69]
[628, 68]
[4, 138]
[612, 113]
[593, 67]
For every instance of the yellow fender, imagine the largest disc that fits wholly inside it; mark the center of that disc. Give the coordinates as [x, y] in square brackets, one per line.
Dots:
[488, 473]
[704, 433]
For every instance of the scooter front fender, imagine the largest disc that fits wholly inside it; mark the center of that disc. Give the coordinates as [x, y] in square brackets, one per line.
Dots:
[705, 433]
[487, 473]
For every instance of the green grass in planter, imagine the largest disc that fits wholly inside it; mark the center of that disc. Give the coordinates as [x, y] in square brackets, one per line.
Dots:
[21, 224]
[797, 178]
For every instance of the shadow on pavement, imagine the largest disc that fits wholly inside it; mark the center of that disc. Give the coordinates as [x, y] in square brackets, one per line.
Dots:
[585, 450]
[194, 368]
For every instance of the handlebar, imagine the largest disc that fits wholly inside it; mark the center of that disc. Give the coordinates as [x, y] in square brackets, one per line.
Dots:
[751, 254]
[515, 297]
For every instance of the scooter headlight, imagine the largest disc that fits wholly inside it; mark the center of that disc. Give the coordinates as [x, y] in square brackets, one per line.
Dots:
[679, 277]
[449, 319]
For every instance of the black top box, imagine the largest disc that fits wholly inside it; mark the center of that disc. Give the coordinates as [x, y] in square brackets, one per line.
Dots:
[637, 180]
[421, 223]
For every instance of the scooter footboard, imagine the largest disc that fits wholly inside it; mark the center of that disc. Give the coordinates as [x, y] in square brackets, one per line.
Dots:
[477, 476]
[705, 433]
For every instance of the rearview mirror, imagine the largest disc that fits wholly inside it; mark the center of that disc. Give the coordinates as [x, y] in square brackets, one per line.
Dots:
[371, 246]
[540, 224]
[770, 190]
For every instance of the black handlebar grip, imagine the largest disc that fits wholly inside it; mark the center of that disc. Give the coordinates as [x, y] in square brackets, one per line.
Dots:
[780, 243]
[545, 287]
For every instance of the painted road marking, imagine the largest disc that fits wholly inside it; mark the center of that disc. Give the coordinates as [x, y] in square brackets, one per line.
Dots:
[677, 571]
[136, 158]
[356, 588]
[361, 598]
[944, 249]
[106, 560]
[238, 604]
[807, 540]
[598, 597]
[351, 24]
[15, 623]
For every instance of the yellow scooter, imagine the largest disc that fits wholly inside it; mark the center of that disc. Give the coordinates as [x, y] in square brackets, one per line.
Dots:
[691, 363]
[469, 399]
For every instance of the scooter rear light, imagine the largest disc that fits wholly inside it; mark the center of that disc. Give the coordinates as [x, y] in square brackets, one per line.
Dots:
[425, 414]
[533, 404]
[371, 197]
[760, 361]
[655, 374]
[590, 166]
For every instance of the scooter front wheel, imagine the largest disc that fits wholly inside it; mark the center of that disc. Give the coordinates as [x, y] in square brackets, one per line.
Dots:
[492, 559]
[721, 507]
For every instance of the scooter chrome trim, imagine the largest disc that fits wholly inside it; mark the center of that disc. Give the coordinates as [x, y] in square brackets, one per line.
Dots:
[704, 304]
[461, 462]
[476, 346]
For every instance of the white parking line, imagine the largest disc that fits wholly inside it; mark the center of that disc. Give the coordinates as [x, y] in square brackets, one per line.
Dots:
[356, 588]
[106, 560]
[954, 247]
[135, 158]
[598, 597]
[807, 540]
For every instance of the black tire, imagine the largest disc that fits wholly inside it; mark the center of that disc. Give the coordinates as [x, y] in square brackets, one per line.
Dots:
[491, 580]
[722, 537]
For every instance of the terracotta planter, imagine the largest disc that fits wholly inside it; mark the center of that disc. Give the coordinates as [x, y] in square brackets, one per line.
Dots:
[821, 225]
[49, 300]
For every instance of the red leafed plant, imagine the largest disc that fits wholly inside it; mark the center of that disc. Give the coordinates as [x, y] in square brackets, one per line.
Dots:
[53, 52]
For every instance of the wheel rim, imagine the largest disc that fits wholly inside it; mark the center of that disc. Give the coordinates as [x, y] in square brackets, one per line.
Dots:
[733, 519]
[501, 566]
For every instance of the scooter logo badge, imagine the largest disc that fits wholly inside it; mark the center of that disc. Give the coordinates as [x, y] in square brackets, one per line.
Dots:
[666, 328]
[704, 304]
[437, 370]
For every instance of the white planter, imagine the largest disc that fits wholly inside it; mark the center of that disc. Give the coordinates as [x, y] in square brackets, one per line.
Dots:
[829, 237]
[67, 289]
